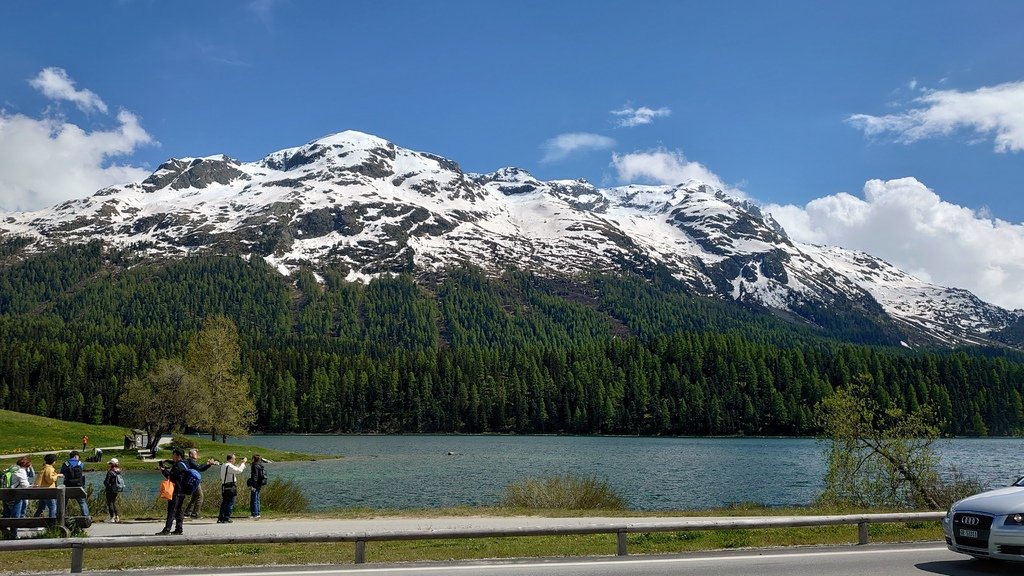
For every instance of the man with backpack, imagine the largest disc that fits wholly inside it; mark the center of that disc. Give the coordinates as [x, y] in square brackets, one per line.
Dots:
[178, 473]
[74, 476]
[195, 505]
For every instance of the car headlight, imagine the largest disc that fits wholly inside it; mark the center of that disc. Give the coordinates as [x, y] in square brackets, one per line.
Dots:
[1014, 519]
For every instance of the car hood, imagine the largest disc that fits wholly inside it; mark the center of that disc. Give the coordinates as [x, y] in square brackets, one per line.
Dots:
[1000, 501]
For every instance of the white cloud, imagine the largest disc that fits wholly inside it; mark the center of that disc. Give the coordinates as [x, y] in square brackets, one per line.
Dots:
[44, 161]
[563, 145]
[629, 117]
[996, 110]
[662, 166]
[905, 223]
[55, 84]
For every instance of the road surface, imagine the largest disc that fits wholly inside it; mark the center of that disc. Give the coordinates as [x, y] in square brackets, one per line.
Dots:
[883, 560]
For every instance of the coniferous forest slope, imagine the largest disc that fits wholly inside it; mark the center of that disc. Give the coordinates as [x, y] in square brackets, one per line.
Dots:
[466, 353]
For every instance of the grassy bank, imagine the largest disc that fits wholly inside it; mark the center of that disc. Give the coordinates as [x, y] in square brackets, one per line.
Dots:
[24, 433]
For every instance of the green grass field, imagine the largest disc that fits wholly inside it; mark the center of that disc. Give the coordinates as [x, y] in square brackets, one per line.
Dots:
[25, 433]
[21, 433]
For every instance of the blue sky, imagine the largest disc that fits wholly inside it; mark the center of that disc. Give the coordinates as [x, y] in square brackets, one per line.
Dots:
[802, 106]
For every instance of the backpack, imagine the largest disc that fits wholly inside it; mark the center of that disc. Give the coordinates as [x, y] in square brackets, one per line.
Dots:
[7, 479]
[190, 482]
[74, 476]
[114, 482]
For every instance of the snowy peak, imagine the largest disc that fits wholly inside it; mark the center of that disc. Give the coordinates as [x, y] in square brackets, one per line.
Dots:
[360, 203]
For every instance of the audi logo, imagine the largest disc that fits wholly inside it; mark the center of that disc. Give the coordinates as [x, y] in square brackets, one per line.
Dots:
[970, 520]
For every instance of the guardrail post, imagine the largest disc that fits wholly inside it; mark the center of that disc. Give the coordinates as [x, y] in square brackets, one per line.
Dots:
[360, 551]
[62, 505]
[622, 543]
[77, 558]
[862, 533]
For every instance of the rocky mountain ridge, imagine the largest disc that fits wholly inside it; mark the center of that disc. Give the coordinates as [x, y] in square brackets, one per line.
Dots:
[359, 202]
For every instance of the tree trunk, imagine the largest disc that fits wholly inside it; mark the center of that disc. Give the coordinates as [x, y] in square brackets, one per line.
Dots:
[909, 475]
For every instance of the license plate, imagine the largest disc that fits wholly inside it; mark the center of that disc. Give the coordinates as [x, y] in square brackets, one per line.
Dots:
[964, 533]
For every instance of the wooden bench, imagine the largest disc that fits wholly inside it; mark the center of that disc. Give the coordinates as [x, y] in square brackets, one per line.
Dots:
[61, 494]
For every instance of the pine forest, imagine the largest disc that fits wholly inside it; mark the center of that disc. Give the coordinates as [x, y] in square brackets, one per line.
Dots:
[466, 353]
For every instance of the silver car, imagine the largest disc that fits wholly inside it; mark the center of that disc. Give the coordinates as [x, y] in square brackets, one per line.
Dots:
[988, 525]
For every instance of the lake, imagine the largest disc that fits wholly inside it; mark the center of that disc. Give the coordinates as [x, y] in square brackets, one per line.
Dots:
[422, 471]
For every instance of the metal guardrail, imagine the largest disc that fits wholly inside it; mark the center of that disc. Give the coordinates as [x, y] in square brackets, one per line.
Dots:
[78, 545]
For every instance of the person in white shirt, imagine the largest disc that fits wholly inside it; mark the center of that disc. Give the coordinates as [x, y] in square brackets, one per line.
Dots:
[229, 487]
[16, 508]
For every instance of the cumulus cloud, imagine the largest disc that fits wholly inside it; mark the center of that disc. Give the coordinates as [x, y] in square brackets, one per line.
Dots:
[629, 117]
[55, 84]
[44, 161]
[661, 166]
[909, 225]
[997, 111]
[564, 145]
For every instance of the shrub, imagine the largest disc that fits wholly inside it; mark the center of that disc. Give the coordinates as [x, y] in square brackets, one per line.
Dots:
[568, 492]
[182, 442]
[955, 486]
[279, 496]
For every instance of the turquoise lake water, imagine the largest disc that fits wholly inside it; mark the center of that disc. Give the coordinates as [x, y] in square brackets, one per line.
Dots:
[414, 471]
[652, 474]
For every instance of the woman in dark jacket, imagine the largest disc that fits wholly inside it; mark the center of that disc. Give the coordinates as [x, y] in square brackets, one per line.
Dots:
[257, 479]
[111, 488]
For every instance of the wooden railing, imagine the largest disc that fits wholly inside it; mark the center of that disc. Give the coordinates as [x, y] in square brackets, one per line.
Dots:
[61, 494]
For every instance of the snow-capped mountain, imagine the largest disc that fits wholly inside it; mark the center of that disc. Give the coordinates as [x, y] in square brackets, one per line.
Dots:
[357, 201]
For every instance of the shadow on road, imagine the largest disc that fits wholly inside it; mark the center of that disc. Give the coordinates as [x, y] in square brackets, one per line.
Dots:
[972, 567]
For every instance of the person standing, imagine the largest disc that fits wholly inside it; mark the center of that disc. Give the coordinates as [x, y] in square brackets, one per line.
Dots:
[21, 480]
[18, 478]
[85, 442]
[195, 504]
[229, 487]
[112, 486]
[175, 506]
[74, 476]
[257, 479]
[47, 478]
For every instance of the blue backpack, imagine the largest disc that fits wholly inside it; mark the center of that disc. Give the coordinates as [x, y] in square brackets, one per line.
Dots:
[191, 482]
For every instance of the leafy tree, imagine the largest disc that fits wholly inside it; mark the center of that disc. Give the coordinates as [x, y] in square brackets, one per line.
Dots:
[214, 360]
[877, 454]
[160, 402]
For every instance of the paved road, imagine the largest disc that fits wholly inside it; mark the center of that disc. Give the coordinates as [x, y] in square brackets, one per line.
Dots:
[884, 560]
[247, 526]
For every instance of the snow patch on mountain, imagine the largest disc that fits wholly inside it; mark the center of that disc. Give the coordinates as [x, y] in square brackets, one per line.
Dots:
[359, 202]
